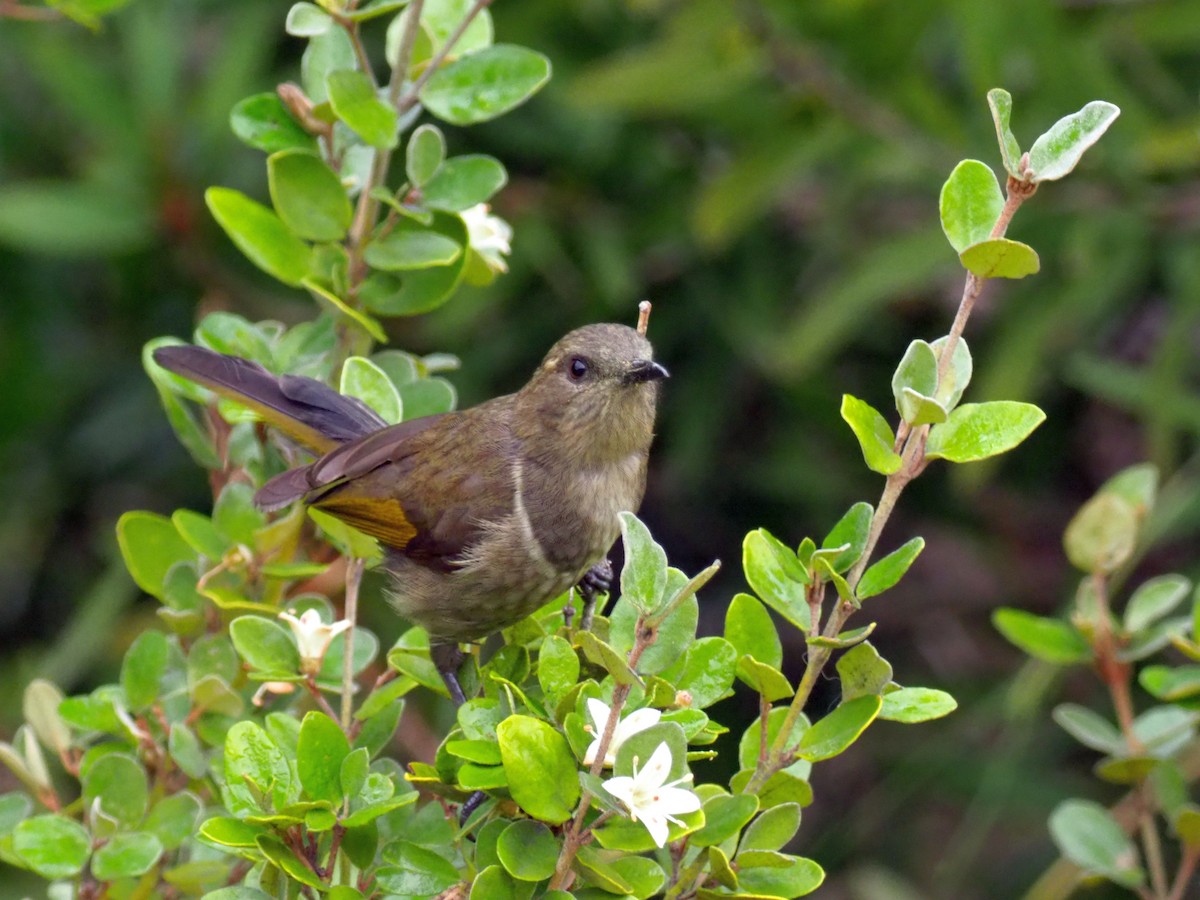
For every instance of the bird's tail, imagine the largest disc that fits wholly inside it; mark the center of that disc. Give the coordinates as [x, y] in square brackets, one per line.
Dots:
[306, 410]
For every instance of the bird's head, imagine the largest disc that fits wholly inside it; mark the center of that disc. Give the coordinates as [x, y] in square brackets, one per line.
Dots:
[596, 391]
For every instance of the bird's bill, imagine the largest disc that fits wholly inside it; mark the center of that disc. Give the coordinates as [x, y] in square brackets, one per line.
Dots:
[644, 370]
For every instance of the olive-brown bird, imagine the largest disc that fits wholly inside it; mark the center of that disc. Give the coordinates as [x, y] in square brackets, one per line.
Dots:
[487, 513]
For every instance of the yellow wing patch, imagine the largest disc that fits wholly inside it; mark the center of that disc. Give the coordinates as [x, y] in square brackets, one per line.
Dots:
[381, 518]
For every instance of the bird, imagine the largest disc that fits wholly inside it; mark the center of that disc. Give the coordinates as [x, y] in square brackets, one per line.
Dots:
[486, 513]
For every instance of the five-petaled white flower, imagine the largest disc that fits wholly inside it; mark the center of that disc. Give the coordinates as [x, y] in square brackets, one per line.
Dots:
[489, 236]
[638, 720]
[313, 637]
[650, 798]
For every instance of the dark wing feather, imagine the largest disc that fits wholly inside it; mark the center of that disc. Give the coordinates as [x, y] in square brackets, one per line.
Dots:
[429, 490]
[307, 410]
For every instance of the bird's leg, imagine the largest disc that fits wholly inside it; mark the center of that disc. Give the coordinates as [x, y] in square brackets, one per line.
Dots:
[595, 581]
[446, 659]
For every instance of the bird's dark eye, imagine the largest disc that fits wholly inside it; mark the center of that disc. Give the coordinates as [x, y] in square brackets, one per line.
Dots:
[577, 368]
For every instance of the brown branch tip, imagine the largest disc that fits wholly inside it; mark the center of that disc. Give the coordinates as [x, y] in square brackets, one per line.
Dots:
[643, 317]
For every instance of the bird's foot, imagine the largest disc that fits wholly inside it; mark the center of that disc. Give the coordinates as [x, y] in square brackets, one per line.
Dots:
[469, 806]
[595, 581]
[446, 659]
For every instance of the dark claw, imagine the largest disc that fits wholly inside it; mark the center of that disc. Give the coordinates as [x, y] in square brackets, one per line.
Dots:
[469, 806]
[595, 581]
[446, 659]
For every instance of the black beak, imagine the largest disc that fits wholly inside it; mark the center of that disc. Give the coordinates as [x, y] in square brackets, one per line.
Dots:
[644, 370]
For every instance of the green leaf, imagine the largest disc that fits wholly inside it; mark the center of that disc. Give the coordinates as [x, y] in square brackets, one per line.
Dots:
[802, 876]
[852, 530]
[724, 817]
[200, 533]
[607, 657]
[354, 101]
[424, 155]
[414, 871]
[1089, 728]
[235, 517]
[644, 576]
[773, 829]
[1050, 640]
[971, 202]
[915, 382]
[485, 84]
[1000, 258]
[1137, 485]
[263, 122]
[39, 704]
[708, 669]
[126, 856]
[142, 669]
[1000, 103]
[14, 807]
[1058, 151]
[419, 290]
[463, 182]
[365, 381]
[977, 431]
[844, 641]
[675, 635]
[957, 377]
[540, 768]
[875, 435]
[527, 850]
[373, 9]
[254, 767]
[558, 666]
[119, 782]
[1170, 683]
[863, 672]
[410, 245]
[264, 644]
[831, 735]
[885, 573]
[764, 679]
[150, 546]
[1154, 599]
[777, 576]
[1088, 835]
[916, 704]
[319, 755]
[493, 883]
[185, 750]
[748, 627]
[308, 195]
[174, 818]
[53, 846]
[260, 235]
[1102, 535]
[307, 20]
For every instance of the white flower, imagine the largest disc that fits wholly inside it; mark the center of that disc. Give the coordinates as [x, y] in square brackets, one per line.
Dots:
[638, 720]
[489, 236]
[313, 637]
[650, 799]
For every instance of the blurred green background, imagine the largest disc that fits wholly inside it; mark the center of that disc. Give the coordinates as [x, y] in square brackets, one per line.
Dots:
[766, 172]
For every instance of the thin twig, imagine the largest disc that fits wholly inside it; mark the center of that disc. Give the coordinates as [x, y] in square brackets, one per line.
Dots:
[354, 572]
[409, 99]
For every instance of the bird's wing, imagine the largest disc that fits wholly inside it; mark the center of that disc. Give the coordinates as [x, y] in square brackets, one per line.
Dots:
[308, 411]
[430, 491]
